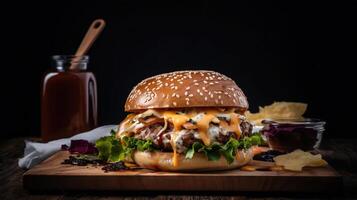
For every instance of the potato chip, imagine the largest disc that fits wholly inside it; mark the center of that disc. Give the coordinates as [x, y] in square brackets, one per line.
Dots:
[298, 159]
[278, 110]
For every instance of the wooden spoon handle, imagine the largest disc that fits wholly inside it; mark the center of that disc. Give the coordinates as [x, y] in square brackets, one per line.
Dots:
[93, 32]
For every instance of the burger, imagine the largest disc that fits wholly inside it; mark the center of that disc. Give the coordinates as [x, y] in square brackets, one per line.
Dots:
[184, 121]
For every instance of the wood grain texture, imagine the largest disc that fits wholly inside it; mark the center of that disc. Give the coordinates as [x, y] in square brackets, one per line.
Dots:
[341, 154]
[52, 175]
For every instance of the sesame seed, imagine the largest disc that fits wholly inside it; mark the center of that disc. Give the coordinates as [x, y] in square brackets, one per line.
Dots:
[196, 84]
[191, 95]
[221, 101]
[216, 101]
[219, 96]
[201, 93]
[205, 98]
[174, 103]
[188, 88]
[174, 94]
[166, 84]
[187, 103]
[195, 81]
[177, 95]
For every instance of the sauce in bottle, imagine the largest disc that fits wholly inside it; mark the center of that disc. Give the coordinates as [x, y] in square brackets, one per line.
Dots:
[69, 98]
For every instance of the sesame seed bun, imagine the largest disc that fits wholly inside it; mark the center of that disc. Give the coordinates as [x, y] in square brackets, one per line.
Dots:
[185, 89]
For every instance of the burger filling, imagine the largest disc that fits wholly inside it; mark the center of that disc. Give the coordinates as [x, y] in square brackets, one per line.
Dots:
[214, 132]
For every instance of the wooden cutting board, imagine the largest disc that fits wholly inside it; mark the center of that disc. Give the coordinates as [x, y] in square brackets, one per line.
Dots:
[52, 175]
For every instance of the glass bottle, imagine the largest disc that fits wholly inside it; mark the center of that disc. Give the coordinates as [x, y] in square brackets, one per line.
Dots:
[69, 98]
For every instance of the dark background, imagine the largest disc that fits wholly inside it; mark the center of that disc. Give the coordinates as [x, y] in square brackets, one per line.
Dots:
[275, 51]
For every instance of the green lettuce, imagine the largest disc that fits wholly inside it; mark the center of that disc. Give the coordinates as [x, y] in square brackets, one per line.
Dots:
[112, 149]
[228, 150]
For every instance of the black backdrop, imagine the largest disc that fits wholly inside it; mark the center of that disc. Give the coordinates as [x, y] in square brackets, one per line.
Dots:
[275, 51]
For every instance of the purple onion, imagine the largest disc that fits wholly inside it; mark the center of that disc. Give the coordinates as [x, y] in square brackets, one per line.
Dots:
[80, 146]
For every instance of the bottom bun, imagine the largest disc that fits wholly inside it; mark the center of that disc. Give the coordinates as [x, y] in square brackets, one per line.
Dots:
[163, 161]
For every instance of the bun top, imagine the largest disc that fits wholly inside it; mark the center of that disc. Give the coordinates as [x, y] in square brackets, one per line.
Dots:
[186, 89]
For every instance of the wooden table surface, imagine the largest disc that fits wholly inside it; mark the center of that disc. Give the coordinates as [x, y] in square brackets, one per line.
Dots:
[340, 153]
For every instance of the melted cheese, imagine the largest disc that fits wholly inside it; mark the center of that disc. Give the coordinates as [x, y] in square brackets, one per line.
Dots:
[176, 119]
[202, 122]
[233, 126]
[173, 144]
[203, 126]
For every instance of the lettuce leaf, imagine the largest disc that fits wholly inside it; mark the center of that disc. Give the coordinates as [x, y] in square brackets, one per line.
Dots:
[104, 146]
[194, 148]
[228, 150]
[112, 149]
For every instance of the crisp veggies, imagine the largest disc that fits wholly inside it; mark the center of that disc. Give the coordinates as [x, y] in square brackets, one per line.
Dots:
[112, 149]
[80, 146]
[228, 150]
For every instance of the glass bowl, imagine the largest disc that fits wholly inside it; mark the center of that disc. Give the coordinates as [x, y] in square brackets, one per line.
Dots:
[288, 135]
